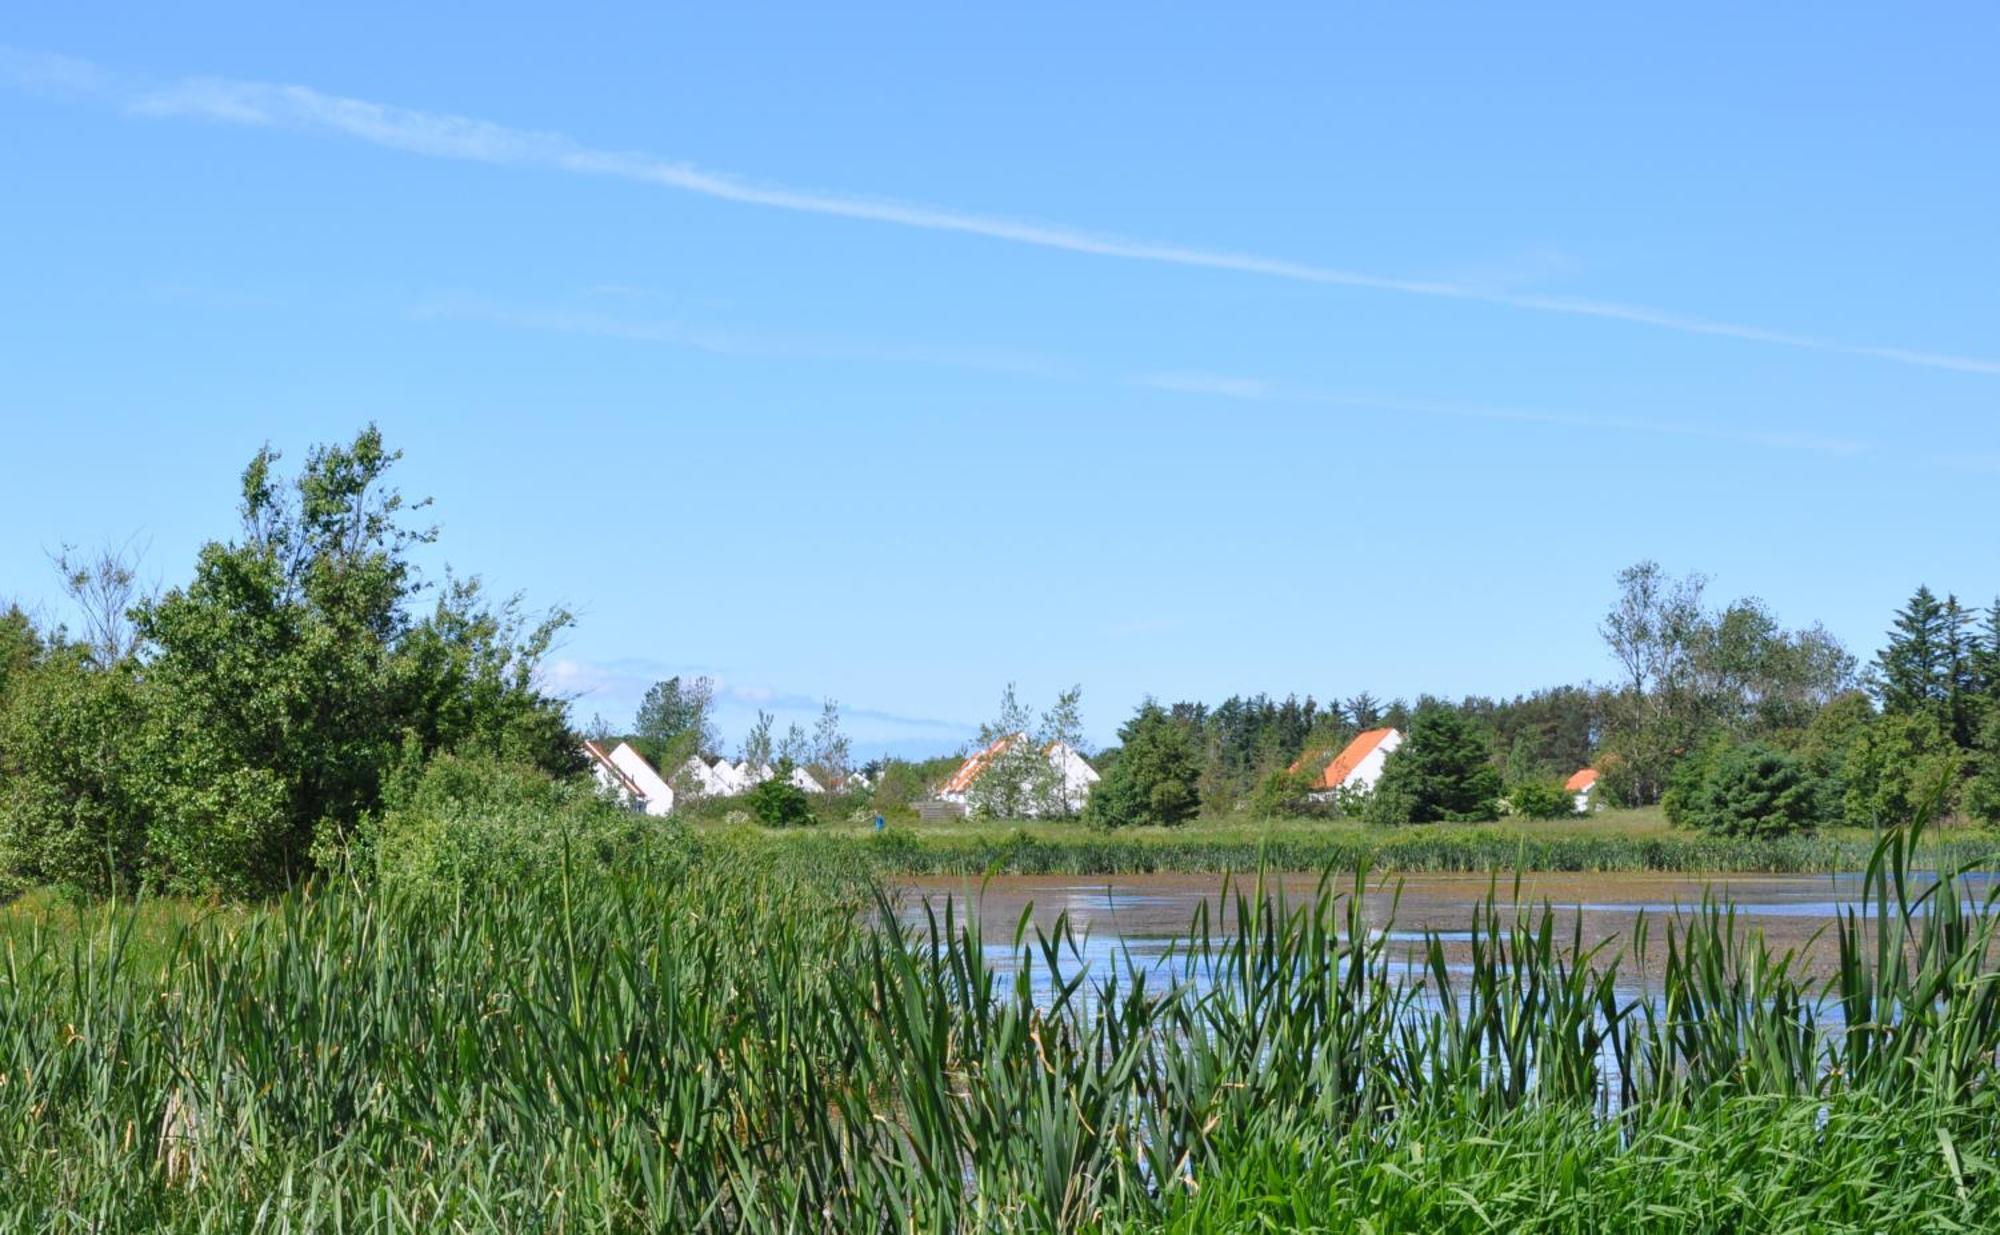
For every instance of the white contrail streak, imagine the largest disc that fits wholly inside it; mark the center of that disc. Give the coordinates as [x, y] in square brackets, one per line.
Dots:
[441, 135]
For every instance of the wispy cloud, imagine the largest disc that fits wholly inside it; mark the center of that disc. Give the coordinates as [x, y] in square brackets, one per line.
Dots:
[447, 136]
[619, 684]
[727, 341]
[1251, 388]
[42, 72]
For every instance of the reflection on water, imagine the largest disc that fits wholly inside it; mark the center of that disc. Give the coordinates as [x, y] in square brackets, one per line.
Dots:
[1134, 926]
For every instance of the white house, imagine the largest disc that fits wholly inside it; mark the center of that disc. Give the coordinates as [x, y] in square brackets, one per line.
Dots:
[804, 780]
[1584, 785]
[1359, 764]
[624, 773]
[728, 779]
[1073, 775]
[708, 781]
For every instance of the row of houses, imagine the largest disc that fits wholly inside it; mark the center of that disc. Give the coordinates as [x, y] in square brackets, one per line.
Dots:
[630, 777]
[1359, 765]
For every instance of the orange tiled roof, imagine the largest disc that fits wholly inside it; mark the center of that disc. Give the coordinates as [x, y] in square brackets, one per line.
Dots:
[1346, 761]
[1581, 780]
[969, 771]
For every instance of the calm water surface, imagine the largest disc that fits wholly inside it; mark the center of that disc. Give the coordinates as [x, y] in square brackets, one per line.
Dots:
[1136, 919]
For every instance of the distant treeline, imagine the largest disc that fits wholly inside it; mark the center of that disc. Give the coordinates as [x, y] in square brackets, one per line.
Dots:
[257, 723]
[1733, 722]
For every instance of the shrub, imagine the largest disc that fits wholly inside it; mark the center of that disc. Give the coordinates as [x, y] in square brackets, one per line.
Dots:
[1155, 778]
[1894, 771]
[69, 806]
[778, 803]
[1279, 793]
[480, 821]
[1542, 799]
[1750, 790]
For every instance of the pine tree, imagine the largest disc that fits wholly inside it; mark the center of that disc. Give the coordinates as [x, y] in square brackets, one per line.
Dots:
[1442, 771]
[1962, 686]
[1986, 659]
[1913, 672]
[1364, 711]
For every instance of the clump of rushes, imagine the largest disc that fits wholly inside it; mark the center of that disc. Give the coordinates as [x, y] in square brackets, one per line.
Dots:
[740, 1041]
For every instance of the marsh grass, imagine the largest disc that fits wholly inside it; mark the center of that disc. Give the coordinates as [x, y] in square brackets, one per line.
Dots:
[744, 1041]
[1645, 844]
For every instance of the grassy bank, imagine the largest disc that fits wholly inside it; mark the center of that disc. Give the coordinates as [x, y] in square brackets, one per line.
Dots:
[1613, 841]
[725, 1042]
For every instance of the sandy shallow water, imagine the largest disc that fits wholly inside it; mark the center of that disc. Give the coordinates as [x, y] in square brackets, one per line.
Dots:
[1144, 912]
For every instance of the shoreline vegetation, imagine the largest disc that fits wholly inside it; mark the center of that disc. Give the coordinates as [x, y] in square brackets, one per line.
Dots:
[1615, 841]
[711, 1036]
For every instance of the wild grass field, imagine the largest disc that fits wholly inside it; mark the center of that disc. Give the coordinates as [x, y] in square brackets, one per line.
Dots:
[1617, 840]
[719, 1038]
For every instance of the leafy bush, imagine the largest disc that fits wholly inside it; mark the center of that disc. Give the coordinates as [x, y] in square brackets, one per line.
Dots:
[1285, 792]
[778, 803]
[1895, 770]
[480, 821]
[1542, 799]
[1155, 778]
[68, 779]
[1750, 790]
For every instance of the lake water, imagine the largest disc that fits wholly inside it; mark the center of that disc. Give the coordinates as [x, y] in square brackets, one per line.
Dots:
[1135, 919]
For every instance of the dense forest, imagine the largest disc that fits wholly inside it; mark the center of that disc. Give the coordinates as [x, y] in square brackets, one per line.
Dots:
[272, 714]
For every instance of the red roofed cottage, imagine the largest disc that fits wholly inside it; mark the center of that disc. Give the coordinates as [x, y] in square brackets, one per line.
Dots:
[1359, 764]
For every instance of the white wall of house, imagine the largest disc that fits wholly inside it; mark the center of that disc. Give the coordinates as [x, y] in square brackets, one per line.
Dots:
[1069, 765]
[703, 778]
[1369, 770]
[657, 796]
[614, 785]
[804, 780]
[1076, 773]
[728, 780]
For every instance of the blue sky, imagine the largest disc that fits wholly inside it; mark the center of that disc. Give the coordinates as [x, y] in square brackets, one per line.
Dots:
[895, 353]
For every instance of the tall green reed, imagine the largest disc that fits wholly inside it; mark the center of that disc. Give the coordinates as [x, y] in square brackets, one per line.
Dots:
[739, 1041]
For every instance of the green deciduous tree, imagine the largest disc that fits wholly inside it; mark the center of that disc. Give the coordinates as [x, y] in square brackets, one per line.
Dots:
[832, 759]
[71, 805]
[1154, 781]
[1896, 768]
[1691, 674]
[1015, 777]
[757, 752]
[1982, 792]
[288, 677]
[1442, 771]
[675, 721]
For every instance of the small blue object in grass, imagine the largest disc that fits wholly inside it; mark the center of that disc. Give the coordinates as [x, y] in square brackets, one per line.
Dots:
[879, 823]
